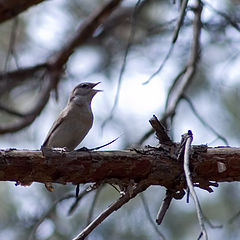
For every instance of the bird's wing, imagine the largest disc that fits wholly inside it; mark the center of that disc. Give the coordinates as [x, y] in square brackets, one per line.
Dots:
[55, 125]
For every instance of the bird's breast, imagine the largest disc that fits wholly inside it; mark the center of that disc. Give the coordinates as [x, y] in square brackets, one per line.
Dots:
[72, 130]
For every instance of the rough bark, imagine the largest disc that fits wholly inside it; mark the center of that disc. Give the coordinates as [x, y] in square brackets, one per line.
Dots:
[157, 166]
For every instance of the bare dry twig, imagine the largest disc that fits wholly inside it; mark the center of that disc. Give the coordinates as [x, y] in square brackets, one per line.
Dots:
[164, 207]
[55, 203]
[80, 196]
[23, 73]
[32, 114]
[212, 225]
[177, 92]
[47, 213]
[140, 187]
[173, 41]
[11, 48]
[146, 208]
[187, 148]
[184, 78]
[234, 217]
[233, 22]
[175, 82]
[166, 115]
[95, 198]
[188, 100]
[160, 131]
[123, 66]
[11, 111]
[83, 33]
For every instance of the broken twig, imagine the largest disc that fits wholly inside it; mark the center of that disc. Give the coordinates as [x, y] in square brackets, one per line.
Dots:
[187, 150]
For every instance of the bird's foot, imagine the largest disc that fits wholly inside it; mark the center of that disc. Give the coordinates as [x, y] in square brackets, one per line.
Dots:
[64, 149]
[84, 149]
[49, 151]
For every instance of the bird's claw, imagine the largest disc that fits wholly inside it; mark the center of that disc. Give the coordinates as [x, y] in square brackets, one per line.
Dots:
[83, 149]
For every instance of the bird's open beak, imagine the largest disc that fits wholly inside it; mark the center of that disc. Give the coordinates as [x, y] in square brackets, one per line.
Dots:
[95, 84]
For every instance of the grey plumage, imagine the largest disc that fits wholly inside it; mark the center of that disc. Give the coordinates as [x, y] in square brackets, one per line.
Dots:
[75, 121]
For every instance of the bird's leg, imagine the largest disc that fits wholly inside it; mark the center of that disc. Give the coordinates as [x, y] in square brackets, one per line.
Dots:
[50, 152]
[77, 190]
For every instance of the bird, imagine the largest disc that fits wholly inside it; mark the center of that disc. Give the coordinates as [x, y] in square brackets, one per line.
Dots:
[75, 121]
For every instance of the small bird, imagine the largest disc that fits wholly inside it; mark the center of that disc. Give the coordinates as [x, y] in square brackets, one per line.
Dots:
[75, 121]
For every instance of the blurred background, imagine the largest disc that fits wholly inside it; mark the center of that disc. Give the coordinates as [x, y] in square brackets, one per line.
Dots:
[146, 32]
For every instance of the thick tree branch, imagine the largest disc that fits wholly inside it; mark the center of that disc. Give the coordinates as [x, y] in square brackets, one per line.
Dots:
[32, 114]
[11, 8]
[83, 33]
[22, 73]
[55, 65]
[219, 164]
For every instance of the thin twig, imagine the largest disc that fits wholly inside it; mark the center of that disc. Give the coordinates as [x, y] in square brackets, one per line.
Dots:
[173, 41]
[184, 78]
[211, 225]
[160, 131]
[224, 15]
[187, 150]
[33, 113]
[23, 73]
[129, 44]
[146, 208]
[104, 145]
[234, 217]
[11, 111]
[182, 14]
[83, 33]
[11, 46]
[180, 86]
[80, 196]
[164, 207]
[161, 65]
[188, 100]
[151, 131]
[175, 81]
[114, 207]
[166, 114]
[47, 213]
[95, 198]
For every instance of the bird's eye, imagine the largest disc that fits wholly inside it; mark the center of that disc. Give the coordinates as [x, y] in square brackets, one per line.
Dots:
[84, 86]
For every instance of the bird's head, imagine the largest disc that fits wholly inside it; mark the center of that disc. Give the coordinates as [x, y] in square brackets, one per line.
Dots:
[84, 92]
